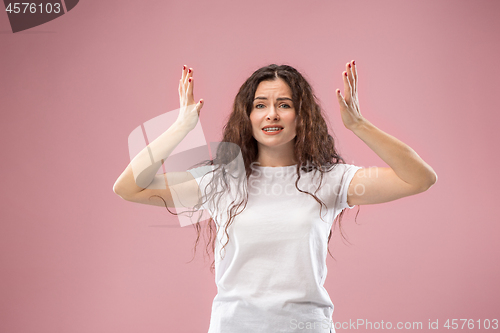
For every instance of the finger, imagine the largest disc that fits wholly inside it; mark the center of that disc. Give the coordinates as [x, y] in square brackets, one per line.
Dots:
[350, 75]
[181, 87]
[190, 87]
[199, 106]
[188, 75]
[354, 75]
[183, 76]
[341, 99]
[347, 85]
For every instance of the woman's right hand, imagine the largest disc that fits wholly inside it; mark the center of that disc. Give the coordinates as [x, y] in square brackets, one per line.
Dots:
[189, 110]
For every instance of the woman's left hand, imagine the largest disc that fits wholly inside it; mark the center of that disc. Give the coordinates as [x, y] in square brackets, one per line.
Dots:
[349, 105]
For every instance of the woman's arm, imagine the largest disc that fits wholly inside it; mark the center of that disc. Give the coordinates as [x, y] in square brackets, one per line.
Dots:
[407, 174]
[141, 171]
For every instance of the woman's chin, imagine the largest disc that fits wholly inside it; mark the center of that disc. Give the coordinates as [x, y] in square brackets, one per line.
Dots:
[274, 143]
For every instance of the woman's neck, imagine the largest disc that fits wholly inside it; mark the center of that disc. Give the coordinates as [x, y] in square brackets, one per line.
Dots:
[276, 156]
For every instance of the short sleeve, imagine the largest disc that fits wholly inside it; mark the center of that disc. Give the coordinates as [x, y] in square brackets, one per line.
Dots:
[202, 175]
[347, 171]
[199, 172]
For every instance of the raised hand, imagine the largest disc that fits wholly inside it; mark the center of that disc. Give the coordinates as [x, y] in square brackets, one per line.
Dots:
[189, 110]
[349, 106]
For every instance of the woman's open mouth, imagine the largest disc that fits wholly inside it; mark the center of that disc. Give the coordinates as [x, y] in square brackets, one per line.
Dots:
[272, 130]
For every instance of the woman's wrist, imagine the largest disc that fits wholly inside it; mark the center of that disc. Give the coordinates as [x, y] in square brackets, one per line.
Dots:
[178, 125]
[360, 126]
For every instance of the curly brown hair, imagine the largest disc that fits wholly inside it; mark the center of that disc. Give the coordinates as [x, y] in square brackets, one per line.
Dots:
[314, 147]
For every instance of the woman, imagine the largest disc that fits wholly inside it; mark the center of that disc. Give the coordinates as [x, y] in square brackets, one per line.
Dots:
[274, 198]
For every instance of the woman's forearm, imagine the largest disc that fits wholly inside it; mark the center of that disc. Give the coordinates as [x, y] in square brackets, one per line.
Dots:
[142, 169]
[402, 159]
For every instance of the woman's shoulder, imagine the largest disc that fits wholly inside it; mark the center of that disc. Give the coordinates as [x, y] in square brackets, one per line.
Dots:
[341, 169]
[201, 171]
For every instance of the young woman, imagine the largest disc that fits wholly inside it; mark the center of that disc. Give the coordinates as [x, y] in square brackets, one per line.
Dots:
[274, 191]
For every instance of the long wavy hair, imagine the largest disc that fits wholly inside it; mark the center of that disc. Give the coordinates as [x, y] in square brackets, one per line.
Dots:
[314, 147]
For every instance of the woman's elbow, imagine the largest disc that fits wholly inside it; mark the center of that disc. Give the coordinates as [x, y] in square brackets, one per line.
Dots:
[430, 180]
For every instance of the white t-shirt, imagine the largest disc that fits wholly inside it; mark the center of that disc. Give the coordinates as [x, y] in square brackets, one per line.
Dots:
[271, 274]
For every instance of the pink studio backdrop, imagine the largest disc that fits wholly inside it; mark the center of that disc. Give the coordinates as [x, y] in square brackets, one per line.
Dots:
[74, 257]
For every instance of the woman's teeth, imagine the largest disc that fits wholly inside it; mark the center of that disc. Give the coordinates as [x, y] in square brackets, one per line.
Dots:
[272, 129]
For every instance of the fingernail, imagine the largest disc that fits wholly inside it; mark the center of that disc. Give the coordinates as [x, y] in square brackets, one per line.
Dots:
[183, 68]
[354, 62]
[189, 70]
[189, 79]
[345, 73]
[349, 65]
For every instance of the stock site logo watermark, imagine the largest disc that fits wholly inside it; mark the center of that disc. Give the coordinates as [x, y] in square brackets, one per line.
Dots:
[190, 151]
[26, 15]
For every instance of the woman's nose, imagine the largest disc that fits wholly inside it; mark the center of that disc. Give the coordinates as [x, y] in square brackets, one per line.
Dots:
[272, 114]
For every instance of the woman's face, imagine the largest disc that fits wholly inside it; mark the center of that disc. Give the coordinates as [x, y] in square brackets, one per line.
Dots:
[273, 108]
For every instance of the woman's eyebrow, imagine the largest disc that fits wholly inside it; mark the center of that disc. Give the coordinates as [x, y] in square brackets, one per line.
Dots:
[278, 99]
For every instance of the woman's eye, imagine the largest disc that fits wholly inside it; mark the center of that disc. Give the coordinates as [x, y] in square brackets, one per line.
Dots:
[260, 106]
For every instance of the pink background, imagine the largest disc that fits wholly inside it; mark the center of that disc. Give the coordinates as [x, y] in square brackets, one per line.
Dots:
[74, 257]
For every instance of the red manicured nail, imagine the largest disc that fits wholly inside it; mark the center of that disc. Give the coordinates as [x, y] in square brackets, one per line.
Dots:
[345, 73]
[189, 70]
[349, 65]
[183, 68]
[189, 79]
[354, 62]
